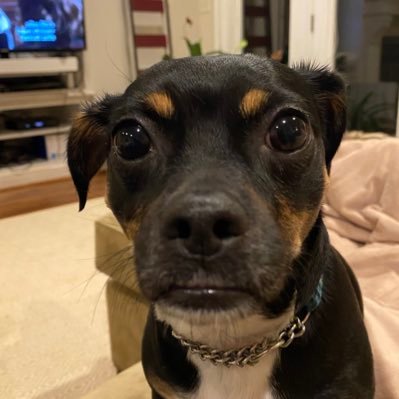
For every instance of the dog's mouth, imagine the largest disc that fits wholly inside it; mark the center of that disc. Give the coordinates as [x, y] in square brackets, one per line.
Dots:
[208, 297]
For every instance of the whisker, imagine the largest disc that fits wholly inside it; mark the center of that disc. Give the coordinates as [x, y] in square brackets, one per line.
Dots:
[122, 73]
[88, 281]
[81, 283]
[98, 301]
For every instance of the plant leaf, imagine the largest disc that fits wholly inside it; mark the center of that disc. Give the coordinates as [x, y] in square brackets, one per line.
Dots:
[194, 48]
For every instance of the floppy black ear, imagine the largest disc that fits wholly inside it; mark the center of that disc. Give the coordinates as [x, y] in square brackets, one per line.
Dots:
[88, 144]
[330, 95]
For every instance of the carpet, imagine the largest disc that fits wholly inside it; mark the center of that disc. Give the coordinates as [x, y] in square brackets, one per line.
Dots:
[54, 340]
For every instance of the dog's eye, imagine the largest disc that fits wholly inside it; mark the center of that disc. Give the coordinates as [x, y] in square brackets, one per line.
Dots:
[287, 134]
[131, 141]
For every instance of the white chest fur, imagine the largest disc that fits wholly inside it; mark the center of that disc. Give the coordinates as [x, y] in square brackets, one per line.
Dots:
[220, 382]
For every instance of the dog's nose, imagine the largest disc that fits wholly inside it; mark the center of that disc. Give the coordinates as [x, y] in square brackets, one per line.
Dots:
[205, 224]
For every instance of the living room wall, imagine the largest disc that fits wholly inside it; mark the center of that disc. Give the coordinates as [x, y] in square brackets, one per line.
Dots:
[106, 61]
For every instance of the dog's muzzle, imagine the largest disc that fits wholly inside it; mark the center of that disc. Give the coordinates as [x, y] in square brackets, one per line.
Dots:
[203, 227]
[204, 247]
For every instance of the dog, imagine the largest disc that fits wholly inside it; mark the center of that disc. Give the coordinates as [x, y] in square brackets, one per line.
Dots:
[217, 169]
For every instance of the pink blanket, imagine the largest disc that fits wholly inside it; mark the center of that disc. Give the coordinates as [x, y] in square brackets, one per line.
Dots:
[362, 215]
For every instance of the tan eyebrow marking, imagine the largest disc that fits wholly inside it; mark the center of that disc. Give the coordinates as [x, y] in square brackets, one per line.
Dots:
[161, 103]
[252, 101]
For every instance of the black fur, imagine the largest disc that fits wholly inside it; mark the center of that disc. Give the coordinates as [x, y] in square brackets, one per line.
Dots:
[208, 153]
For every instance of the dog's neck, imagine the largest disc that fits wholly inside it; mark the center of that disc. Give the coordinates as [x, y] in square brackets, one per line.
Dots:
[218, 381]
[225, 331]
[309, 267]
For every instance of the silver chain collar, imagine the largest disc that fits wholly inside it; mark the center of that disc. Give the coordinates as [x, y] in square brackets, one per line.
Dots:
[250, 354]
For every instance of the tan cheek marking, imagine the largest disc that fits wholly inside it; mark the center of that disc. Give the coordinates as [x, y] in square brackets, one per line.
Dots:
[131, 228]
[284, 218]
[162, 388]
[161, 103]
[296, 224]
[252, 101]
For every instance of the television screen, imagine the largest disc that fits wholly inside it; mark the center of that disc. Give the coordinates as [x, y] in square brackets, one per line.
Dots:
[41, 25]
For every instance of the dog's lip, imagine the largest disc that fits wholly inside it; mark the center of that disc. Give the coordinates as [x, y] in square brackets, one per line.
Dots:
[206, 289]
[204, 296]
[211, 287]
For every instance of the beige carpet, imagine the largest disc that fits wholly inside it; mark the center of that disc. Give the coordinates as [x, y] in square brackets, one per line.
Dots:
[54, 339]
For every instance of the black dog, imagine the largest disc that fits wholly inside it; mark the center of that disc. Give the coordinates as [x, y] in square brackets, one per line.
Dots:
[217, 169]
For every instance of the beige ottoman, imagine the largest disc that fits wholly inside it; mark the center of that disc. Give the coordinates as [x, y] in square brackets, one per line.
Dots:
[127, 309]
[130, 384]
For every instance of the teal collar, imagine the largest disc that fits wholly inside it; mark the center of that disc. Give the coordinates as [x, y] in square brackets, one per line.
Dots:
[315, 300]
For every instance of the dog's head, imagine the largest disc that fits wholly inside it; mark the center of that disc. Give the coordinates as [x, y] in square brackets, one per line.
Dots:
[217, 168]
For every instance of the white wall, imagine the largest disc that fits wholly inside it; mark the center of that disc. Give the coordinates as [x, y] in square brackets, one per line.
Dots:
[218, 24]
[106, 59]
[201, 13]
[228, 25]
[313, 31]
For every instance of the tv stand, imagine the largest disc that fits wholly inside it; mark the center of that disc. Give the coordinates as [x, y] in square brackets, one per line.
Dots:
[60, 103]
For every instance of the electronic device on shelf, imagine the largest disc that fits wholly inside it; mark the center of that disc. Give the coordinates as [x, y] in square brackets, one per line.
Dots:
[27, 123]
[41, 25]
[22, 151]
[31, 83]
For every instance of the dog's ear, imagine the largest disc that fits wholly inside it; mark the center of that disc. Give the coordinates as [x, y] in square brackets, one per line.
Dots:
[330, 94]
[88, 144]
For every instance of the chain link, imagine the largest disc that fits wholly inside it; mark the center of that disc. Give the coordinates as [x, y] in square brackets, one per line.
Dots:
[247, 355]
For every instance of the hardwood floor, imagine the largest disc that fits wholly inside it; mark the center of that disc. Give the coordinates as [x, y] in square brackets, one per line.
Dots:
[16, 201]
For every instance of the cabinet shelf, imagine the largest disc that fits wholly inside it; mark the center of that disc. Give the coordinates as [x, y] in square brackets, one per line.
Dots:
[21, 134]
[40, 101]
[42, 98]
[33, 172]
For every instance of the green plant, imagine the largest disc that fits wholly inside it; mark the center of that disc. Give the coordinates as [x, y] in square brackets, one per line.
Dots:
[367, 116]
[195, 47]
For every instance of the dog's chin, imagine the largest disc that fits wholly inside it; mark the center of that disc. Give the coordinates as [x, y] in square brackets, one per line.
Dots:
[205, 305]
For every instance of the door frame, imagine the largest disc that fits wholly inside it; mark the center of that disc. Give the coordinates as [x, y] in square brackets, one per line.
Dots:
[313, 31]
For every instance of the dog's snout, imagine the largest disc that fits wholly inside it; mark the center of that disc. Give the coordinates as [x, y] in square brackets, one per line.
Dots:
[204, 224]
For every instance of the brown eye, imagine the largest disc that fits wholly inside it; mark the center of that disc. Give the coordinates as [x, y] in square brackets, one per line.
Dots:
[131, 141]
[288, 134]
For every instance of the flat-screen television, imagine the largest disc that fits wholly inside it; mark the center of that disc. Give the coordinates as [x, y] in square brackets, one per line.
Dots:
[41, 25]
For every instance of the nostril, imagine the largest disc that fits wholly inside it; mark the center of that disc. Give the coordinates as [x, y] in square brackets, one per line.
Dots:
[183, 228]
[225, 228]
[179, 228]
